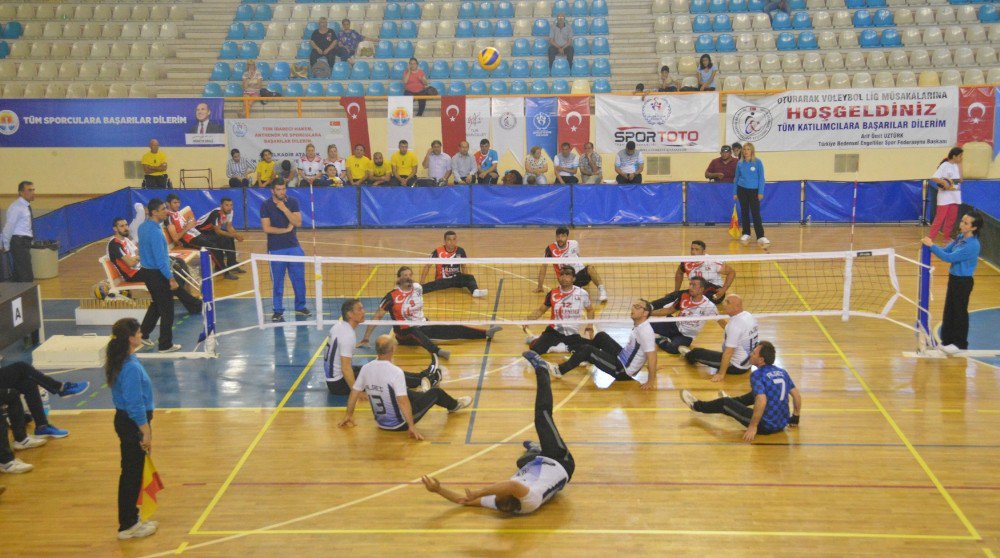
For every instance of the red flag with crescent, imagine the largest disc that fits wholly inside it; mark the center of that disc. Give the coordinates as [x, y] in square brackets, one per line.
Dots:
[452, 122]
[574, 121]
[975, 114]
[357, 122]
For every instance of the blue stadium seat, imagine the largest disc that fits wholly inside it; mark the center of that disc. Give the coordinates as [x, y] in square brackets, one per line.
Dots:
[721, 22]
[263, 13]
[304, 50]
[308, 31]
[341, 70]
[856, 4]
[796, 5]
[560, 87]
[504, 29]
[599, 8]
[467, 10]
[397, 71]
[882, 3]
[737, 6]
[249, 50]
[725, 43]
[884, 18]
[518, 87]
[699, 6]
[404, 49]
[456, 88]
[263, 67]
[294, 89]
[540, 47]
[718, 6]
[355, 89]
[540, 68]
[212, 90]
[538, 29]
[315, 90]
[460, 69]
[786, 41]
[255, 32]
[220, 72]
[244, 13]
[600, 68]
[704, 43]
[411, 11]
[581, 67]
[540, 87]
[361, 70]
[505, 9]
[891, 38]
[869, 38]
[502, 71]
[580, 46]
[862, 18]
[275, 88]
[521, 47]
[599, 26]
[484, 29]
[560, 7]
[380, 70]
[560, 68]
[4, 49]
[389, 30]
[498, 87]
[802, 20]
[439, 86]
[240, 68]
[807, 41]
[383, 49]
[755, 5]
[229, 50]
[396, 88]
[13, 30]
[407, 30]
[236, 31]
[579, 8]
[702, 23]
[484, 10]
[580, 27]
[463, 30]
[392, 11]
[477, 71]
[336, 89]
[520, 69]
[600, 46]
[376, 89]
[601, 86]
[478, 87]
[282, 71]
[234, 90]
[424, 67]
[781, 21]
[988, 13]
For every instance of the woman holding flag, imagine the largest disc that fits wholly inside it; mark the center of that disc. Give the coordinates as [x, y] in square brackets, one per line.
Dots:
[132, 394]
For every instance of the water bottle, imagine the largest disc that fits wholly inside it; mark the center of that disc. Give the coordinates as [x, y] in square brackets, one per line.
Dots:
[809, 219]
[45, 400]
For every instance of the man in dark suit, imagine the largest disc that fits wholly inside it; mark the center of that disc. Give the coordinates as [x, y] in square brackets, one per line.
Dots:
[205, 125]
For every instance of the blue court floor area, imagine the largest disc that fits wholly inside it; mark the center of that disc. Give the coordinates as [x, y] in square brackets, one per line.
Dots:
[255, 368]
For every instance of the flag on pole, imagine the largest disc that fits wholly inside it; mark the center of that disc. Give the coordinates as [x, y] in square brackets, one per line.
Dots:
[734, 225]
[151, 484]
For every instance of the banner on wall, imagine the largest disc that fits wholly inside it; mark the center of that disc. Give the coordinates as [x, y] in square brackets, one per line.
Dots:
[111, 122]
[846, 119]
[452, 122]
[659, 123]
[541, 114]
[574, 121]
[976, 107]
[399, 122]
[477, 122]
[357, 123]
[287, 138]
[508, 126]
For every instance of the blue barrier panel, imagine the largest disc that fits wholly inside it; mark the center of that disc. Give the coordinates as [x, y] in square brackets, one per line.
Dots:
[712, 202]
[983, 194]
[782, 202]
[415, 207]
[637, 204]
[200, 201]
[521, 205]
[881, 202]
[81, 223]
[829, 201]
[335, 207]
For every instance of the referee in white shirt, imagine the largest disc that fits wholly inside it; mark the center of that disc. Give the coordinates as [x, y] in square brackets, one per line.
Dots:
[738, 341]
[19, 231]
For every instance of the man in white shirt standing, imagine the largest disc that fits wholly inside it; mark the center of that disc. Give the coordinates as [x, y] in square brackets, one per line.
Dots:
[629, 165]
[395, 408]
[691, 304]
[438, 164]
[567, 165]
[738, 341]
[19, 231]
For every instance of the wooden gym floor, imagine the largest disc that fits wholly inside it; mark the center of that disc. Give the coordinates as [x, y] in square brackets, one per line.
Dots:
[895, 456]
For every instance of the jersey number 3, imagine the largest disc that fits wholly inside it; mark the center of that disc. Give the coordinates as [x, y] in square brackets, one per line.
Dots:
[377, 404]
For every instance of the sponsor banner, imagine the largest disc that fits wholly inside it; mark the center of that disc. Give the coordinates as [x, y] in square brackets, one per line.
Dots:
[452, 122]
[357, 123]
[659, 123]
[477, 122]
[541, 114]
[508, 127]
[399, 123]
[845, 119]
[287, 138]
[111, 122]
[574, 121]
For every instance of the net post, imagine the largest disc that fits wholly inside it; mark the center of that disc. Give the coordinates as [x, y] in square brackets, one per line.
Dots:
[848, 278]
[924, 299]
[318, 276]
[207, 303]
[256, 290]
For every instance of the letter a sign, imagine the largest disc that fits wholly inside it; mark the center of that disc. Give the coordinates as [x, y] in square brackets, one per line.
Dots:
[18, 310]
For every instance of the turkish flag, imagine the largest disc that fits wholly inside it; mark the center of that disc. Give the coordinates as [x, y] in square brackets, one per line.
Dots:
[574, 121]
[452, 122]
[976, 107]
[357, 122]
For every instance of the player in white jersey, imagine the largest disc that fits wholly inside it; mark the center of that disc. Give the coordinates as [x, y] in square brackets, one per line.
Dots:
[738, 342]
[716, 273]
[395, 408]
[340, 372]
[692, 304]
[543, 470]
[566, 302]
[563, 247]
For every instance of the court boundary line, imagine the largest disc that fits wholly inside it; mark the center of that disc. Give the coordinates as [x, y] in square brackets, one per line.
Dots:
[482, 368]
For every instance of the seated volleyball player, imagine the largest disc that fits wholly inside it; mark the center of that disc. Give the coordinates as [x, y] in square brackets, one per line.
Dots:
[185, 232]
[738, 341]
[341, 372]
[543, 470]
[770, 387]
[406, 303]
[217, 226]
[692, 304]
[717, 275]
[395, 407]
[124, 254]
[565, 302]
[622, 363]
[563, 247]
[450, 276]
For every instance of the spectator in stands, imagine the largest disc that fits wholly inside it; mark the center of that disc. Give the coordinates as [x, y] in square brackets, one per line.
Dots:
[204, 123]
[348, 42]
[415, 83]
[748, 189]
[737, 150]
[667, 83]
[566, 164]
[948, 179]
[323, 42]
[438, 164]
[331, 177]
[381, 171]
[26, 379]
[310, 167]
[629, 165]
[590, 166]
[333, 158]
[158, 275]
[124, 255]
[253, 81]
[707, 73]
[535, 167]
[775, 6]
[19, 231]
[723, 167]
[154, 167]
[359, 167]
[404, 166]
[640, 88]
[512, 178]
[463, 165]
[561, 40]
[265, 170]
[286, 174]
[239, 170]
[487, 161]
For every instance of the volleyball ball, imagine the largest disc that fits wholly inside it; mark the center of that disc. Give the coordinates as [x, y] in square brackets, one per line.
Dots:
[489, 58]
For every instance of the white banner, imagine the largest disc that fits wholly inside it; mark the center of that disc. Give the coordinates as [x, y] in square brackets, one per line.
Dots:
[286, 138]
[508, 127]
[477, 121]
[845, 119]
[399, 123]
[659, 123]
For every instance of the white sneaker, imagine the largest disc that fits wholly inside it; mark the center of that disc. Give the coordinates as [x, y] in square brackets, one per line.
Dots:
[425, 384]
[602, 294]
[138, 531]
[480, 293]
[463, 402]
[15, 467]
[745, 238]
[529, 339]
[950, 349]
[554, 370]
[559, 348]
[29, 442]
[683, 350]
[722, 394]
[763, 240]
[171, 349]
[688, 398]
[149, 342]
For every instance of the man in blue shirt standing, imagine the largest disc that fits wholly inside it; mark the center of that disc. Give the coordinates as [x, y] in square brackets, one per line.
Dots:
[770, 387]
[279, 216]
[963, 255]
[158, 277]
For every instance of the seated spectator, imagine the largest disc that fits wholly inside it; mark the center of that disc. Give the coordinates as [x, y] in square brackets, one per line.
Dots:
[723, 167]
[535, 167]
[438, 165]
[265, 170]
[590, 166]
[640, 88]
[381, 171]
[415, 84]
[253, 84]
[359, 167]
[404, 166]
[286, 174]
[331, 178]
[463, 165]
[239, 170]
[707, 73]
[561, 40]
[323, 42]
[22, 441]
[487, 161]
[333, 158]
[348, 42]
[667, 84]
[629, 165]
[25, 380]
[737, 150]
[512, 178]
[310, 167]
[775, 6]
[567, 165]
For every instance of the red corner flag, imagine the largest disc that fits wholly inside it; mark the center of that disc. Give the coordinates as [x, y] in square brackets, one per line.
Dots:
[151, 484]
[734, 225]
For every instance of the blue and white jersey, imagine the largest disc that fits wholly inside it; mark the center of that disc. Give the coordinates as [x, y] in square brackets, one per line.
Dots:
[383, 381]
[775, 384]
[339, 345]
[641, 340]
[544, 478]
[740, 336]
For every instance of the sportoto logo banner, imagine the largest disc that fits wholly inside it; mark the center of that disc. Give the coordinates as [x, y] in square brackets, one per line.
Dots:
[659, 123]
[845, 119]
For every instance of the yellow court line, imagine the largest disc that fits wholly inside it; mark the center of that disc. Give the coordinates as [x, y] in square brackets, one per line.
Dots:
[180, 549]
[812, 410]
[988, 553]
[885, 413]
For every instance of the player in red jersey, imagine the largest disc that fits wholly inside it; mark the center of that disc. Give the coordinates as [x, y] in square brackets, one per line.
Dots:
[565, 302]
[450, 275]
[563, 247]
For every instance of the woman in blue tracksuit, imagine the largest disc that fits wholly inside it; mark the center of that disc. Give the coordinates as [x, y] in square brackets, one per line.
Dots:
[963, 255]
[748, 188]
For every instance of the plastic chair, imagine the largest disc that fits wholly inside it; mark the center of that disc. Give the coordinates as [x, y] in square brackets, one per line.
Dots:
[457, 88]
[380, 70]
[467, 10]
[520, 69]
[498, 87]
[599, 26]
[407, 30]
[701, 24]
[601, 86]
[786, 41]
[540, 69]
[411, 11]
[600, 46]
[599, 8]
[392, 11]
[522, 47]
[376, 89]
[862, 18]
[600, 68]
[697, 7]
[404, 49]
[484, 10]
[890, 38]
[263, 13]
[396, 72]
[439, 70]
[229, 50]
[781, 22]
[395, 89]
[721, 22]
[315, 90]
[361, 70]
[210, 90]
[801, 20]
[335, 89]
[281, 71]
[383, 49]
[460, 69]
[505, 9]
[249, 50]
[560, 87]
[503, 29]
[232, 90]
[807, 41]
[275, 88]
[243, 13]
[483, 29]
[389, 30]
[581, 68]
[478, 87]
[540, 87]
[560, 7]
[463, 30]
[220, 72]
[540, 28]
[255, 32]
[869, 38]
[518, 87]
[725, 43]
[236, 31]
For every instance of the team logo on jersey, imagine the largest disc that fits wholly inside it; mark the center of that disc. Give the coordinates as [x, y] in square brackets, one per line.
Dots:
[507, 120]
[751, 123]
[400, 116]
[9, 122]
[240, 129]
[656, 111]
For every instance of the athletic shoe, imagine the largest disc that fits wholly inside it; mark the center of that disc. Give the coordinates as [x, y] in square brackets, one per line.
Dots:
[304, 312]
[722, 394]
[69, 389]
[149, 342]
[239, 270]
[231, 276]
[683, 349]
[15, 467]
[435, 376]
[688, 399]
[480, 293]
[602, 294]
[29, 442]
[170, 349]
[531, 447]
[425, 384]
[763, 240]
[277, 317]
[463, 402]
[444, 354]
[49, 431]
[950, 349]
[559, 348]
[541, 364]
[493, 330]
[529, 338]
[745, 238]
[137, 531]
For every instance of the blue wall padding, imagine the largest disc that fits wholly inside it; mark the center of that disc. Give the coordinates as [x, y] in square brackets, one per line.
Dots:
[632, 204]
[521, 205]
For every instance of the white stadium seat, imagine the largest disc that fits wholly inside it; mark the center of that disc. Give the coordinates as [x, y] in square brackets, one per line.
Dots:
[47, 70]
[745, 42]
[775, 82]
[973, 76]
[100, 50]
[986, 56]
[920, 58]
[97, 91]
[281, 12]
[129, 71]
[964, 57]
[750, 64]
[732, 83]
[109, 71]
[761, 22]
[443, 49]
[876, 60]
[812, 62]
[118, 90]
[861, 79]
[662, 24]
[76, 91]
[933, 36]
[665, 44]
[945, 15]
[954, 35]
[822, 20]
[975, 34]
[834, 61]
[753, 83]
[951, 76]
[792, 62]
[819, 81]
[993, 75]
[765, 42]
[88, 70]
[159, 12]
[55, 91]
[797, 81]
[884, 79]
[928, 78]
[848, 39]
[770, 63]
[903, 17]
[728, 64]
[840, 80]
[69, 71]
[682, 24]
[34, 90]
[924, 16]
[941, 58]
[967, 13]
[140, 12]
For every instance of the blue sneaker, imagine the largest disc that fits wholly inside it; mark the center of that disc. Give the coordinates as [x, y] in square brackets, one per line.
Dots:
[540, 364]
[49, 431]
[69, 389]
